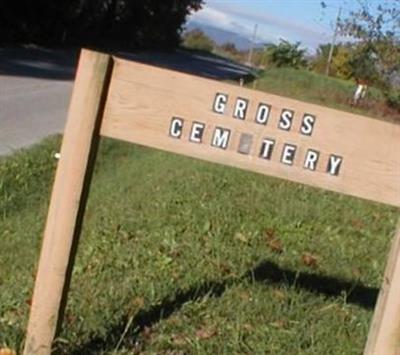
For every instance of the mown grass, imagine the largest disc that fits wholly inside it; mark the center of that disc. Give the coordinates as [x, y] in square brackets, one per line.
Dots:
[323, 90]
[179, 256]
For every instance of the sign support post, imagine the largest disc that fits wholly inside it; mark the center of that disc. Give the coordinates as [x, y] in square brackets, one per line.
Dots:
[68, 199]
[384, 334]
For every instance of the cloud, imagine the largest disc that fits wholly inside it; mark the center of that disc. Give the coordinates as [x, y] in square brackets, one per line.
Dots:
[271, 27]
[221, 19]
[265, 18]
[217, 18]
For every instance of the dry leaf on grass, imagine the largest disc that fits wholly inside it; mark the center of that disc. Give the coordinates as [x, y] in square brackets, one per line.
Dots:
[272, 241]
[280, 323]
[241, 237]
[178, 339]
[138, 302]
[269, 233]
[7, 351]
[357, 223]
[309, 260]
[244, 295]
[225, 268]
[248, 327]
[279, 295]
[147, 332]
[206, 333]
[275, 245]
[70, 318]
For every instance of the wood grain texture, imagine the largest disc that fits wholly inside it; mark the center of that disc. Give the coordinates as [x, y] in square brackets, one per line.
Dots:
[67, 201]
[143, 99]
[384, 334]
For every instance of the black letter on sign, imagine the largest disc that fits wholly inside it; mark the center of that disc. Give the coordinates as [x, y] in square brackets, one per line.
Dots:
[267, 146]
[334, 164]
[307, 125]
[240, 108]
[175, 129]
[311, 161]
[285, 121]
[221, 137]
[263, 113]
[196, 133]
[288, 154]
[220, 103]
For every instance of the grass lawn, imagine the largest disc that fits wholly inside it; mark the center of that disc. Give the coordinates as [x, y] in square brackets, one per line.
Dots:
[327, 91]
[179, 256]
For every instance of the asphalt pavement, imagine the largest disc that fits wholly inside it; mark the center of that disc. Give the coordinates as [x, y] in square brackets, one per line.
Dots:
[36, 85]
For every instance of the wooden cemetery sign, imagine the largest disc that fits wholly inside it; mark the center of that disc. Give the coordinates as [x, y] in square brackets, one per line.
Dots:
[217, 122]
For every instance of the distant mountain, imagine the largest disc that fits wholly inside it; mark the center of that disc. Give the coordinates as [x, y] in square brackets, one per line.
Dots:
[220, 36]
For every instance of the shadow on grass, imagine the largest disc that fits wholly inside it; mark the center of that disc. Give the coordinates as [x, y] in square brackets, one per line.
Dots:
[267, 273]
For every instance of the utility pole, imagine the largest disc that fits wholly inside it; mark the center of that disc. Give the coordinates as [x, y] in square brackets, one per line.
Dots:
[328, 64]
[253, 41]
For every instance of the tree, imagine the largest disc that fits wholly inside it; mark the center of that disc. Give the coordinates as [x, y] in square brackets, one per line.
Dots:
[373, 21]
[229, 47]
[376, 26]
[95, 22]
[363, 64]
[197, 39]
[230, 51]
[341, 61]
[286, 54]
[321, 58]
[340, 66]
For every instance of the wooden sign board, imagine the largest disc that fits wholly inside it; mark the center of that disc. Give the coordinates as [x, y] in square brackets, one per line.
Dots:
[255, 131]
[217, 122]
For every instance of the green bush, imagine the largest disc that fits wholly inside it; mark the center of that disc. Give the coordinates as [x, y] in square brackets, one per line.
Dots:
[197, 39]
[287, 54]
[393, 98]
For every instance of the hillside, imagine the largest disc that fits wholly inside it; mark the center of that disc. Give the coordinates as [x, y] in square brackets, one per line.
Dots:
[220, 36]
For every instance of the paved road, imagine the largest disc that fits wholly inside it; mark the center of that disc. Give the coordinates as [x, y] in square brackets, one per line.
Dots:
[36, 85]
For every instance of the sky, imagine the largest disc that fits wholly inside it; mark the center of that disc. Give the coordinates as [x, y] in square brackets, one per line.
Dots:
[294, 20]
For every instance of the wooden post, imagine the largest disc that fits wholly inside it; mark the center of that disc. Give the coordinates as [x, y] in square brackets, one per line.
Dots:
[384, 334]
[68, 201]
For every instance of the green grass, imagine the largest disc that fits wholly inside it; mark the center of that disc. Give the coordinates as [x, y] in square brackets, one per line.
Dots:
[320, 89]
[179, 256]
